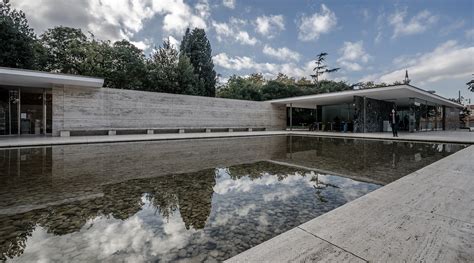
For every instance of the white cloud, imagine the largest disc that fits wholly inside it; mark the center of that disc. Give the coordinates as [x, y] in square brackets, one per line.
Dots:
[173, 41]
[238, 63]
[233, 30]
[177, 15]
[229, 3]
[353, 51]
[244, 38]
[235, 63]
[351, 66]
[114, 19]
[353, 55]
[311, 27]
[269, 26]
[103, 237]
[469, 34]
[142, 44]
[283, 53]
[446, 62]
[417, 24]
[203, 9]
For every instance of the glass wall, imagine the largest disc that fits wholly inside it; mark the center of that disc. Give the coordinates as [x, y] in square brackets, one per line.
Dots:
[9, 108]
[334, 117]
[25, 111]
[425, 116]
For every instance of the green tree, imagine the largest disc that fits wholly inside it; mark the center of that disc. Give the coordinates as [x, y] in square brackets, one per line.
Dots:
[186, 77]
[127, 66]
[241, 88]
[66, 49]
[98, 59]
[321, 67]
[303, 82]
[171, 72]
[326, 86]
[282, 78]
[257, 78]
[162, 69]
[19, 47]
[197, 47]
[470, 85]
[277, 90]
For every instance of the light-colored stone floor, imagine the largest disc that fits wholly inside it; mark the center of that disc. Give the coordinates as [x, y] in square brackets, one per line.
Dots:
[426, 216]
[461, 136]
[458, 136]
[19, 141]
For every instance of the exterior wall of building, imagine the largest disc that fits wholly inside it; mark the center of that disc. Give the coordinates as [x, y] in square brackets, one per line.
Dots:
[376, 112]
[80, 108]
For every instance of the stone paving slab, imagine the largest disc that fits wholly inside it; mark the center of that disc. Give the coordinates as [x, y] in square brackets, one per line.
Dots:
[384, 232]
[304, 248]
[426, 216]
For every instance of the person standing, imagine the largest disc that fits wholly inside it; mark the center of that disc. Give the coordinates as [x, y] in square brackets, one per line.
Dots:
[394, 119]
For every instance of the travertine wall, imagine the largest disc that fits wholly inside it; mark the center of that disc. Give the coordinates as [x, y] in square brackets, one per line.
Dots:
[80, 108]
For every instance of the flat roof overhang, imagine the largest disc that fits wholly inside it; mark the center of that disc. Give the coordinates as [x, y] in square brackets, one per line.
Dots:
[399, 94]
[41, 79]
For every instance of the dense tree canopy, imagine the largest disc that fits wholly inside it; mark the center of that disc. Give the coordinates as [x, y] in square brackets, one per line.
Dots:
[18, 42]
[255, 87]
[66, 50]
[126, 66]
[171, 72]
[242, 89]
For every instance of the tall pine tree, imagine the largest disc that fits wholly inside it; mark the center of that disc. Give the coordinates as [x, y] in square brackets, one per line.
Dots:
[197, 48]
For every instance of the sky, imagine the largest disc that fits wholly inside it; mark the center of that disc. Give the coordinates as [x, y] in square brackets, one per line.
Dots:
[369, 40]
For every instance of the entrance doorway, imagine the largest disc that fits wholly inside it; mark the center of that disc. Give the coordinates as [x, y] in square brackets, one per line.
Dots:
[25, 111]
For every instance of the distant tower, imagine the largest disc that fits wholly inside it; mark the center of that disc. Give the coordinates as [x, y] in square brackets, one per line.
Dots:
[406, 80]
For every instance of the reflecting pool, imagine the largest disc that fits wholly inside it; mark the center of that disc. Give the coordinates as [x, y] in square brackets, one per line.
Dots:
[203, 200]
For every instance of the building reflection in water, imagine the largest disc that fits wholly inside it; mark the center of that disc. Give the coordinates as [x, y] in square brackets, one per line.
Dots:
[166, 201]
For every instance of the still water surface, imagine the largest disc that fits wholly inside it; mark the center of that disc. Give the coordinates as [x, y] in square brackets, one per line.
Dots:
[203, 200]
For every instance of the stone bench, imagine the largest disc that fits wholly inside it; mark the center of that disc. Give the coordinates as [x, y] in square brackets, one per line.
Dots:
[135, 131]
